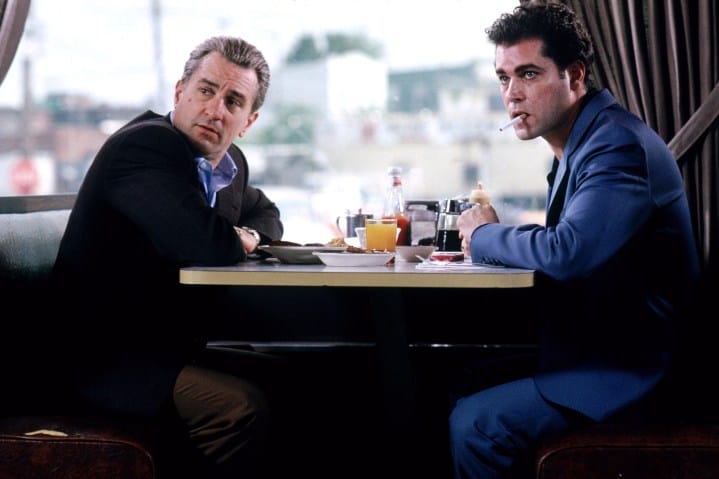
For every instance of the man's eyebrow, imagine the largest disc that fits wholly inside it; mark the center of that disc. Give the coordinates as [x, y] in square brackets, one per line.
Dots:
[209, 82]
[521, 68]
[237, 95]
[232, 93]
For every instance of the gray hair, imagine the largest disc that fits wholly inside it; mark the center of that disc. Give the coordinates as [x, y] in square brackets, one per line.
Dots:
[237, 51]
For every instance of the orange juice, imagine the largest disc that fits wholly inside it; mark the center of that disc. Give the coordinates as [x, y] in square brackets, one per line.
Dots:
[403, 225]
[381, 233]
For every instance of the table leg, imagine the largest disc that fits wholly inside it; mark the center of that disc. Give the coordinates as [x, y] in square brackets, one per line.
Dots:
[396, 375]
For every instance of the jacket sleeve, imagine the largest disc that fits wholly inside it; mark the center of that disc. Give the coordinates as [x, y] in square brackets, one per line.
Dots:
[608, 200]
[262, 215]
[152, 183]
[245, 205]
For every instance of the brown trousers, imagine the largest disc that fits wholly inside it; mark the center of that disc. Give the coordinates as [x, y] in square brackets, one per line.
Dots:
[227, 416]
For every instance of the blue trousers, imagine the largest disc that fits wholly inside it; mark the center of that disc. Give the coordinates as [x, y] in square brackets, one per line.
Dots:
[493, 432]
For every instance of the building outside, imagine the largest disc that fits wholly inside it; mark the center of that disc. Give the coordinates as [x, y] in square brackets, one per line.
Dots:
[351, 119]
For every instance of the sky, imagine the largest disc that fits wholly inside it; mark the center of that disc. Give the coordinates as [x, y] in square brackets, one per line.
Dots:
[107, 52]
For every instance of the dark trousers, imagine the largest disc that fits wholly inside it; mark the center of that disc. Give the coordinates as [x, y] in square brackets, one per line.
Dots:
[220, 421]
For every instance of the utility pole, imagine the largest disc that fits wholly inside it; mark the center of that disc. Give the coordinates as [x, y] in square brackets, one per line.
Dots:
[27, 110]
[156, 17]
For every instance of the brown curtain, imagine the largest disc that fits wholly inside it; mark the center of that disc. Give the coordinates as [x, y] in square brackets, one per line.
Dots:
[13, 14]
[660, 59]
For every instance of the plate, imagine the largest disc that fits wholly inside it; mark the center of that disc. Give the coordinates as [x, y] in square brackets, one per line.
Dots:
[299, 254]
[354, 259]
[409, 253]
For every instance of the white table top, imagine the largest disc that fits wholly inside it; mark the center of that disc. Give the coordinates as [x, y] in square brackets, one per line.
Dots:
[401, 274]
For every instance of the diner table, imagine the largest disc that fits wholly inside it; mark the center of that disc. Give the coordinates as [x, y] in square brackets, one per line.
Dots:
[401, 274]
[384, 285]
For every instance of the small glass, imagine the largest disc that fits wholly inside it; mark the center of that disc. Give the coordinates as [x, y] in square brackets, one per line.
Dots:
[381, 234]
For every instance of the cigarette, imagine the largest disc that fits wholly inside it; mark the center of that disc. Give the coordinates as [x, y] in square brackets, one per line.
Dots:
[514, 120]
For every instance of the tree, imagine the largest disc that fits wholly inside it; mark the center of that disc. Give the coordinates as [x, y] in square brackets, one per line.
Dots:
[308, 47]
[293, 124]
[338, 43]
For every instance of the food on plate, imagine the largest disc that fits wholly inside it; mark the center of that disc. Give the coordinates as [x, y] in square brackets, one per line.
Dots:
[350, 249]
[334, 242]
[355, 249]
[292, 243]
[339, 241]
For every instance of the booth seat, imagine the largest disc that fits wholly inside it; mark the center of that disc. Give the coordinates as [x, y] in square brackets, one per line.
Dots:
[674, 451]
[684, 446]
[38, 445]
[63, 447]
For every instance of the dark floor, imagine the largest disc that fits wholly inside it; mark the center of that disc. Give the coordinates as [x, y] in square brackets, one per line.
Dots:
[333, 420]
[334, 424]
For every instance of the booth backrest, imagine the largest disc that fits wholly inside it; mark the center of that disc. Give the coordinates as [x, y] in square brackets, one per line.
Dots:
[30, 232]
[28, 246]
[31, 229]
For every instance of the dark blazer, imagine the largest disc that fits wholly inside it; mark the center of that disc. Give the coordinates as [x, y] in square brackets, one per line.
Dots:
[140, 215]
[616, 262]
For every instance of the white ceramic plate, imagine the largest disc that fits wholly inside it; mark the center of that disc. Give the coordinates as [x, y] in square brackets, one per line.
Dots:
[354, 259]
[409, 253]
[299, 254]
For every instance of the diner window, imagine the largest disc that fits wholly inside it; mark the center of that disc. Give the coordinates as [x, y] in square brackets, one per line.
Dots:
[356, 87]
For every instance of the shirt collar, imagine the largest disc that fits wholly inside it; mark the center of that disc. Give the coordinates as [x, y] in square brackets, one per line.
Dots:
[213, 180]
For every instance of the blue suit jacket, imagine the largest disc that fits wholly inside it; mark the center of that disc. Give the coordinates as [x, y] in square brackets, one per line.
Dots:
[616, 260]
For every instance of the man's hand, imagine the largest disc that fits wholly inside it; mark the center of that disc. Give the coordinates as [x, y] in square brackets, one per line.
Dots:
[473, 218]
[249, 241]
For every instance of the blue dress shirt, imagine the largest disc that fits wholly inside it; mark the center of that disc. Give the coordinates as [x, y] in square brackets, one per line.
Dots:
[215, 179]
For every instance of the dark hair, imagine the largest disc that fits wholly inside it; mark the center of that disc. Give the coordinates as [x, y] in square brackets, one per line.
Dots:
[238, 52]
[565, 38]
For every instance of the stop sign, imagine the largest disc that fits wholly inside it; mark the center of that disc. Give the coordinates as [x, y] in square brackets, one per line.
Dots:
[24, 177]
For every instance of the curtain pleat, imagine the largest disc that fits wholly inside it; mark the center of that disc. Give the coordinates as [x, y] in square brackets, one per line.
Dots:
[13, 14]
[642, 96]
[659, 59]
[664, 68]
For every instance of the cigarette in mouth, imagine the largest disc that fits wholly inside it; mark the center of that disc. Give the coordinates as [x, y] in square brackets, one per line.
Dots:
[514, 120]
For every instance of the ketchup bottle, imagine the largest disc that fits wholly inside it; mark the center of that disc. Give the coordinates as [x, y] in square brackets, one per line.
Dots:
[394, 204]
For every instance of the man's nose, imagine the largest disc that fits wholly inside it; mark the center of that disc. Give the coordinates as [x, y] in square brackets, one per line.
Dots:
[513, 90]
[215, 107]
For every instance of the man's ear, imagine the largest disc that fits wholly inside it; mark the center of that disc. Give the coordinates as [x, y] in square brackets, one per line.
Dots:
[250, 120]
[178, 90]
[577, 73]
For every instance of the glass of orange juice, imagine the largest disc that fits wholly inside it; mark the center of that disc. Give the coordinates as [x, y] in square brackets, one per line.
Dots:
[381, 233]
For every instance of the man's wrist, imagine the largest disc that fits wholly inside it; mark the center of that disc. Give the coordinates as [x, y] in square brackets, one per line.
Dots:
[253, 232]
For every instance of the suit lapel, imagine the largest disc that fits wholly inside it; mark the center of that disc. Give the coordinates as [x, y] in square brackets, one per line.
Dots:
[227, 198]
[595, 102]
[556, 197]
[558, 179]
